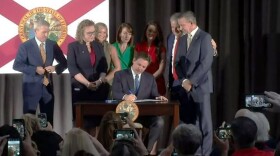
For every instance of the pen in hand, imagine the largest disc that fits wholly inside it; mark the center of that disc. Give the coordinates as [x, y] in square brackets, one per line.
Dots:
[131, 96]
[131, 92]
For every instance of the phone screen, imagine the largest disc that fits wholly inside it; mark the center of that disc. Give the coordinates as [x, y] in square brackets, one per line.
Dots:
[223, 133]
[43, 120]
[14, 147]
[19, 125]
[123, 134]
[256, 101]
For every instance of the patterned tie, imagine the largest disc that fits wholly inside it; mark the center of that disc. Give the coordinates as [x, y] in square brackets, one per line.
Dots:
[189, 40]
[44, 57]
[136, 83]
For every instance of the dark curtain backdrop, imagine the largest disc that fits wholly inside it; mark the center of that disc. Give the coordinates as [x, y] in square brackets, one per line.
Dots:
[248, 36]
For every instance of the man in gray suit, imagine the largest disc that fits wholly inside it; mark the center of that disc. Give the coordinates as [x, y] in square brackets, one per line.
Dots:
[125, 87]
[193, 66]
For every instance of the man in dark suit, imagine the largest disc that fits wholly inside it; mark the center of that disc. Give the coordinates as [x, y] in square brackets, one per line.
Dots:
[34, 59]
[173, 39]
[174, 84]
[193, 67]
[125, 87]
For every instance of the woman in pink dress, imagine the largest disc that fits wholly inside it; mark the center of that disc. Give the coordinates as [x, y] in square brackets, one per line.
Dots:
[152, 43]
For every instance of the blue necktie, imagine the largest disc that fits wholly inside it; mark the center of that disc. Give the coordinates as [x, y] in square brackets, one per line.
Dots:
[136, 83]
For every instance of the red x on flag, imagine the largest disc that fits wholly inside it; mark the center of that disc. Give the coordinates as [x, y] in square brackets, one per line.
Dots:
[13, 12]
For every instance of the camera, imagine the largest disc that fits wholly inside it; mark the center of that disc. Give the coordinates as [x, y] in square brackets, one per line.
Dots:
[43, 120]
[123, 116]
[256, 101]
[20, 126]
[223, 133]
[123, 134]
[14, 146]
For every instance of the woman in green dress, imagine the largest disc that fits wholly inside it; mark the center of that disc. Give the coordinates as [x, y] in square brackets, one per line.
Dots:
[124, 46]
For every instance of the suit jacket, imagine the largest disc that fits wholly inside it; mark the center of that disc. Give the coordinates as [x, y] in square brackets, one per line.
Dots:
[123, 83]
[168, 70]
[27, 60]
[195, 63]
[78, 60]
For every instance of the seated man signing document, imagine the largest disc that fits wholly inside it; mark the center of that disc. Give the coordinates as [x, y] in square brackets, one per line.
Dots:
[135, 83]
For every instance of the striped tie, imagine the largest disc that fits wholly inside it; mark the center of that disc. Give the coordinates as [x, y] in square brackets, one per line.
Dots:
[44, 57]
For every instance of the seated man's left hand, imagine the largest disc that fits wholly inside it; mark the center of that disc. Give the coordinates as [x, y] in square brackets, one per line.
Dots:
[162, 98]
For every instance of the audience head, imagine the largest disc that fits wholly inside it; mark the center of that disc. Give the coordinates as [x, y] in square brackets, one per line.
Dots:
[101, 32]
[125, 34]
[109, 123]
[31, 123]
[141, 61]
[187, 22]
[261, 122]
[83, 153]
[42, 30]
[76, 140]
[153, 33]
[124, 147]
[10, 130]
[244, 132]
[85, 31]
[186, 139]
[47, 142]
[175, 27]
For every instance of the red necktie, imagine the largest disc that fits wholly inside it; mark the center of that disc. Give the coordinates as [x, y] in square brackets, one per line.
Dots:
[175, 76]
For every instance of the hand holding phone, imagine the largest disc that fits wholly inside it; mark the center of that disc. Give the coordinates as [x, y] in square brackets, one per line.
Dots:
[20, 126]
[223, 133]
[43, 120]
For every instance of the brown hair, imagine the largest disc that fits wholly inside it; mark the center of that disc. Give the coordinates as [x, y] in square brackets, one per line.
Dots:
[130, 30]
[158, 40]
[81, 28]
[110, 121]
[142, 55]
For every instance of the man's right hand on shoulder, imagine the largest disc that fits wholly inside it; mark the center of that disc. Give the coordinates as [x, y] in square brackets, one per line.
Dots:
[40, 70]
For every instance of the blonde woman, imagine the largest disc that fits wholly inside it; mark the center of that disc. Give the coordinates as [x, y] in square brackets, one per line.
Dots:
[110, 51]
[76, 140]
[31, 123]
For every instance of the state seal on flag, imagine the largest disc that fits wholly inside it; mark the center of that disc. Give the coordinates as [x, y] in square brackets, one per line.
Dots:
[58, 26]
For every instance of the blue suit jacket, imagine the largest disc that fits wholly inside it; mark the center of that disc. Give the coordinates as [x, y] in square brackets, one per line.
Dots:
[27, 59]
[195, 63]
[123, 83]
[78, 59]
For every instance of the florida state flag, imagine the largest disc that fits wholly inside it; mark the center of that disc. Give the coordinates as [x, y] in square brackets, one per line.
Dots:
[17, 20]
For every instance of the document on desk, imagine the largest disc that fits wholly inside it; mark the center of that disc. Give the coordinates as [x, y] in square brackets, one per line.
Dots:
[147, 100]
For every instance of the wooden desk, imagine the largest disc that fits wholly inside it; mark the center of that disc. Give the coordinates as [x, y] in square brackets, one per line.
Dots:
[145, 108]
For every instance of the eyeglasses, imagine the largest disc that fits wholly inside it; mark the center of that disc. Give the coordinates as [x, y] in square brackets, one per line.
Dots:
[90, 33]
